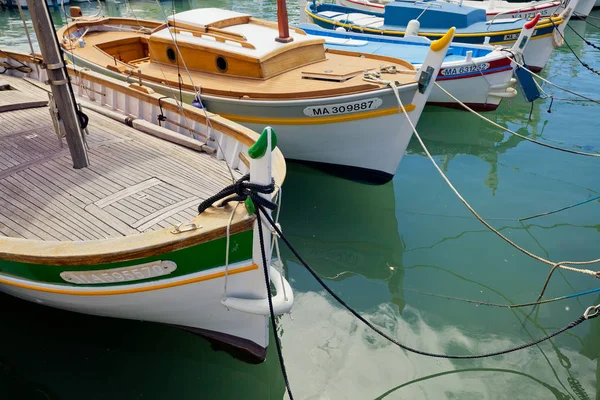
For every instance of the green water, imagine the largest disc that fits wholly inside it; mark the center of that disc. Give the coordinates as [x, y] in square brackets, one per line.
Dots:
[382, 248]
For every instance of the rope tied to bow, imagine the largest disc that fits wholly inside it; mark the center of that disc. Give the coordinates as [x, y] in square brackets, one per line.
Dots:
[245, 191]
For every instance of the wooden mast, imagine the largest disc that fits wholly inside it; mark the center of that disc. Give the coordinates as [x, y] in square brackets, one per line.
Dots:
[282, 22]
[59, 80]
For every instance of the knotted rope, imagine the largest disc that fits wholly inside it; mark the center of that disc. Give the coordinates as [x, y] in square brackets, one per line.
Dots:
[242, 190]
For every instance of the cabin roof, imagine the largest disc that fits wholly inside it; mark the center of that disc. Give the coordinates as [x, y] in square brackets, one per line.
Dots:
[206, 17]
[261, 38]
[432, 14]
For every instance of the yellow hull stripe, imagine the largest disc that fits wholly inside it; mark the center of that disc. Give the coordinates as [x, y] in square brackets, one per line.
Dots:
[533, 38]
[105, 292]
[541, 25]
[317, 120]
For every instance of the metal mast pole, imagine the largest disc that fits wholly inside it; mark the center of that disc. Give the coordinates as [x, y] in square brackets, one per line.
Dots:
[59, 80]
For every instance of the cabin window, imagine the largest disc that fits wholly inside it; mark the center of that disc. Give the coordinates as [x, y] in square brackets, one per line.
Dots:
[221, 64]
[171, 54]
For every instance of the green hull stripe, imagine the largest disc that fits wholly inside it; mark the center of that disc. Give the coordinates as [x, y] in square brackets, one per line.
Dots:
[190, 260]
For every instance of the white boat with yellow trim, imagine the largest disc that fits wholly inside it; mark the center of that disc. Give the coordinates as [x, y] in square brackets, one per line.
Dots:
[245, 69]
[479, 76]
[123, 238]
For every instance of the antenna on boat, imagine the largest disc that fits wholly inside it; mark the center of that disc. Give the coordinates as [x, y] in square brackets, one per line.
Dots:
[58, 78]
[282, 23]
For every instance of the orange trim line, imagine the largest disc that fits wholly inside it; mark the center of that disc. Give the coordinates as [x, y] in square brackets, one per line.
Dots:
[128, 291]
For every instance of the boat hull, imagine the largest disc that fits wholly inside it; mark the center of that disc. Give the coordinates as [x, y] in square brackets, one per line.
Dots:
[189, 295]
[193, 306]
[479, 92]
[525, 10]
[480, 81]
[536, 54]
[370, 144]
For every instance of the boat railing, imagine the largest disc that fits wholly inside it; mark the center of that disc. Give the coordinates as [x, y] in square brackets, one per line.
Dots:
[199, 129]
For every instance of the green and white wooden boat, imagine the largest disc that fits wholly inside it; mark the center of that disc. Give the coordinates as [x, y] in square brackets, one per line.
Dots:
[122, 237]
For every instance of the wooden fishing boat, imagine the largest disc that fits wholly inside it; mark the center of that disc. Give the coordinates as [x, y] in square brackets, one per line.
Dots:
[431, 17]
[122, 238]
[479, 76]
[493, 8]
[248, 71]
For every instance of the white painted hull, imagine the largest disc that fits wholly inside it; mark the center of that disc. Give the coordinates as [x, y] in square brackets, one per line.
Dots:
[480, 92]
[584, 8]
[373, 146]
[196, 305]
[537, 53]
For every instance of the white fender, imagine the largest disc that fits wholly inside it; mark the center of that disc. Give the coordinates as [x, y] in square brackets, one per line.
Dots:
[281, 304]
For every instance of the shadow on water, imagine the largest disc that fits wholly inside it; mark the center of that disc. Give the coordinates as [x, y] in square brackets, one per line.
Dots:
[53, 354]
[344, 228]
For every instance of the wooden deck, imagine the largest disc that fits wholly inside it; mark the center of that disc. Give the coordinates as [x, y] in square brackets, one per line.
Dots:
[291, 84]
[135, 183]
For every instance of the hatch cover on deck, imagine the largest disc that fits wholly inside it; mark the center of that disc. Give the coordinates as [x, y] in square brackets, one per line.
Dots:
[142, 206]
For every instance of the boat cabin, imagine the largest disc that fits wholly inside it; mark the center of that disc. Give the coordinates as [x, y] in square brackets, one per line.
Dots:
[221, 42]
[432, 14]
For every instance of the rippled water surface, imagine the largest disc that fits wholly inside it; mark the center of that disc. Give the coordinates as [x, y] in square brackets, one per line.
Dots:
[394, 252]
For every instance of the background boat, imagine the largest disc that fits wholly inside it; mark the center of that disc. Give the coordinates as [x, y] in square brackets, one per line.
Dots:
[480, 76]
[432, 16]
[316, 100]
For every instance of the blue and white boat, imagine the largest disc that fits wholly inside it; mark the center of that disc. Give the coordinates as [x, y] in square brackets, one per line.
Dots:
[478, 75]
[430, 18]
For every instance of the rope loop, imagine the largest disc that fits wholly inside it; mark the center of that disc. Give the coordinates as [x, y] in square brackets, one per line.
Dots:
[241, 190]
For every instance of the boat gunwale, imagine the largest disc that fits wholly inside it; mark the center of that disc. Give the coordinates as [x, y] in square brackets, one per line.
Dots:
[365, 87]
[552, 4]
[546, 22]
[214, 220]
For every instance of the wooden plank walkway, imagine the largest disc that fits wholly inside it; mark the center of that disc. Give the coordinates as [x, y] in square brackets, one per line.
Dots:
[135, 182]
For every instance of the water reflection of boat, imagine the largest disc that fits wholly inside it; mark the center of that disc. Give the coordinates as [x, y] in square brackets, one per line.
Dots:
[134, 360]
[344, 228]
[483, 141]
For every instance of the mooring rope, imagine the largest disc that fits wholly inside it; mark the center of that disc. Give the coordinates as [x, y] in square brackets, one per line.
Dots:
[590, 312]
[466, 107]
[242, 191]
[500, 305]
[483, 221]
[559, 210]
[549, 82]
[584, 64]
[374, 76]
[586, 18]
[584, 39]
